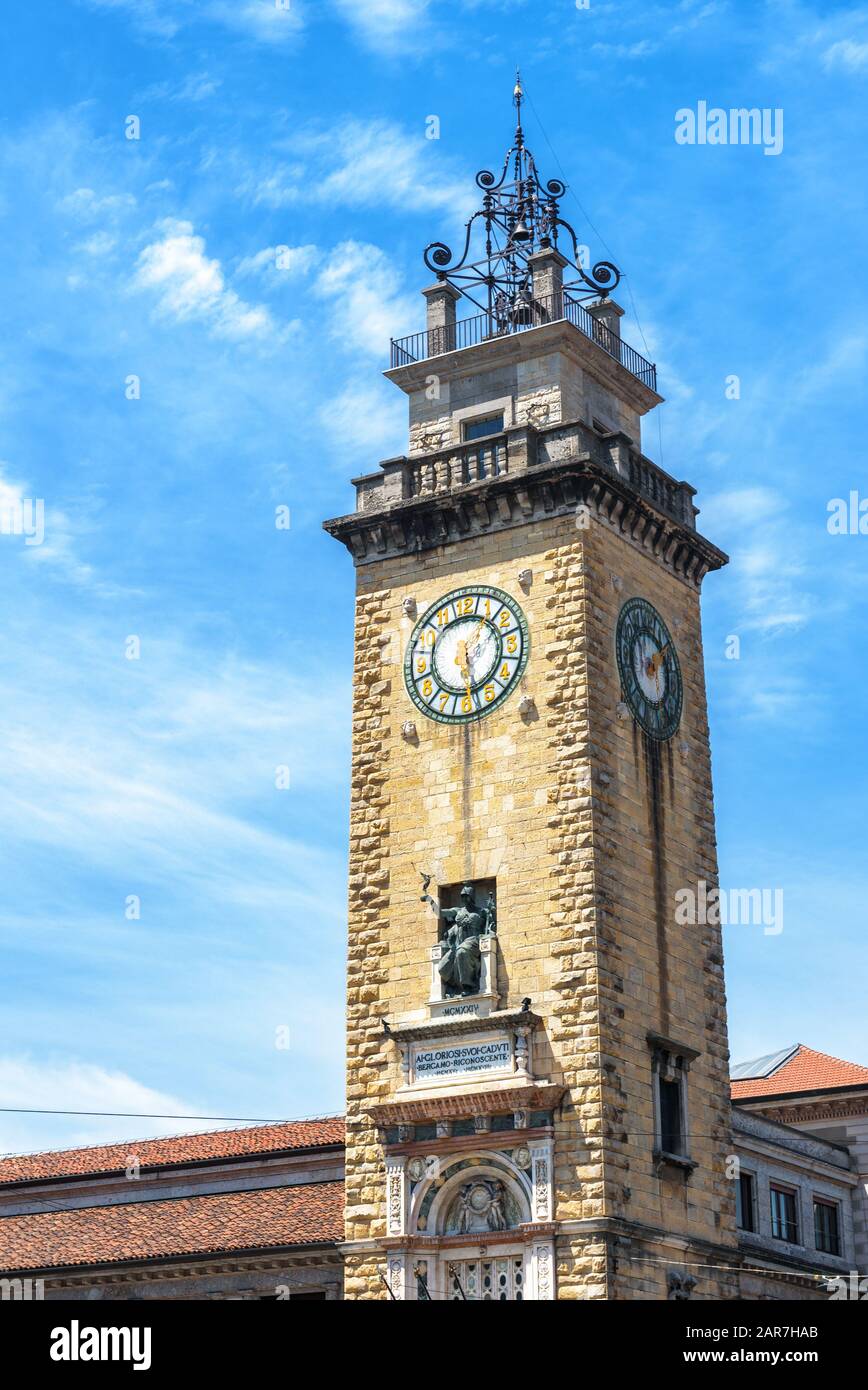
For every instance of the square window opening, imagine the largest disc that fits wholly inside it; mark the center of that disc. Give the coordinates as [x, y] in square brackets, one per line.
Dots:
[478, 429]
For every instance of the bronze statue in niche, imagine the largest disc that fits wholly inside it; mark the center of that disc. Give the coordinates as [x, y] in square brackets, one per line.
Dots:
[460, 932]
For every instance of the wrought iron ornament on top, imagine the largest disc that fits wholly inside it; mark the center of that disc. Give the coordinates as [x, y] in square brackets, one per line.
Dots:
[520, 215]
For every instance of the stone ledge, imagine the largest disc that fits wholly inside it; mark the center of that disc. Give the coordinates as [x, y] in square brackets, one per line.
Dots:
[459, 1027]
[521, 1095]
[419, 524]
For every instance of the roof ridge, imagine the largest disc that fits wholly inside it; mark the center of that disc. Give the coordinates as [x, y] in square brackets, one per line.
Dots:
[830, 1057]
[168, 1138]
[179, 1197]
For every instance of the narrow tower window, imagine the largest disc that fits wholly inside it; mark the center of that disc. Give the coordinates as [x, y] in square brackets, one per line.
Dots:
[670, 1065]
[745, 1202]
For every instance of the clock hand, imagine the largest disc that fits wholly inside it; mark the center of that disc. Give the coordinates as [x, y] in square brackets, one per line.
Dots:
[461, 661]
[653, 663]
[475, 638]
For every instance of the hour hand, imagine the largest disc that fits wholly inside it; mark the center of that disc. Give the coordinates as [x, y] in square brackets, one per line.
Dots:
[656, 661]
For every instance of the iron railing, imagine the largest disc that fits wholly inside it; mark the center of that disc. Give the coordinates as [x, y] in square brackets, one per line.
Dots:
[417, 347]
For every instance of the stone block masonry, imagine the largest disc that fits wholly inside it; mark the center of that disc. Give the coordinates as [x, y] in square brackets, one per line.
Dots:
[588, 831]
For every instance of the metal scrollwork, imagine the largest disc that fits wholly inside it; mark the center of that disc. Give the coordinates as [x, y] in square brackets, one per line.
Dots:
[520, 214]
[437, 255]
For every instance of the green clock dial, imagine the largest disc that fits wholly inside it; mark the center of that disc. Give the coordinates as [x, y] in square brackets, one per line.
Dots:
[466, 654]
[649, 669]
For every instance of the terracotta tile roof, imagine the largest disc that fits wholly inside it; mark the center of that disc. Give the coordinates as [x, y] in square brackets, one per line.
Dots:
[804, 1070]
[181, 1148]
[305, 1214]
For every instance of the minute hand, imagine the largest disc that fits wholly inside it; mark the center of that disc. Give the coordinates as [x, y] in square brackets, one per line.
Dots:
[473, 642]
[656, 661]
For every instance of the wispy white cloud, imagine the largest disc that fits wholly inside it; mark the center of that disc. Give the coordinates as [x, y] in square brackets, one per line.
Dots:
[190, 285]
[158, 769]
[278, 264]
[41, 533]
[361, 164]
[641, 48]
[771, 580]
[846, 54]
[88, 206]
[274, 22]
[266, 21]
[392, 27]
[365, 421]
[66, 1084]
[818, 35]
[385, 24]
[195, 87]
[365, 292]
[100, 244]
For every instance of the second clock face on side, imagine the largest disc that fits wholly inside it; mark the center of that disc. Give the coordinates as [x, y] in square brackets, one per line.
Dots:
[649, 669]
[466, 654]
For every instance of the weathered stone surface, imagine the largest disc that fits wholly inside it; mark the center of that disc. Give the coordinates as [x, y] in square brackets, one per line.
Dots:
[557, 810]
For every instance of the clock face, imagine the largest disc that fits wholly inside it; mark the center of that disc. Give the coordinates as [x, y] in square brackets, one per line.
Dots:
[649, 669]
[466, 654]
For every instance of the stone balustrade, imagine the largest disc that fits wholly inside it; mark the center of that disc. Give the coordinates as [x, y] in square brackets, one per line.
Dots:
[518, 450]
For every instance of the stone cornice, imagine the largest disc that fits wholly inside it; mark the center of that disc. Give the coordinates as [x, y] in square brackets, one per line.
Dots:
[490, 1140]
[500, 1098]
[418, 524]
[844, 1109]
[830, 1103]
[423, 1244]
[429, 1031]
[153, 1268]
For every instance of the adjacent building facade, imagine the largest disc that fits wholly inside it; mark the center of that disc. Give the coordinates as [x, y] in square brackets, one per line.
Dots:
[253, 1213]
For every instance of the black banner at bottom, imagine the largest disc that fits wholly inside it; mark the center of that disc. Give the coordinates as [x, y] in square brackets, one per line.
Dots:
[154, 1338]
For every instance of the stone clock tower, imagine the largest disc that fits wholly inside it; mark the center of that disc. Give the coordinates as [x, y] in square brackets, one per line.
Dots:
[537, 1087]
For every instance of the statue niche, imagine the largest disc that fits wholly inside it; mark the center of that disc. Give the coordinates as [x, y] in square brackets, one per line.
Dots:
[461, 929]
[485, 1204]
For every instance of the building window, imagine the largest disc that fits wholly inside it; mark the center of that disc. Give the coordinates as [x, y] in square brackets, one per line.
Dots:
[672, 1138]
[785, 1222]
[489, 459]
[745, 1202]
[478, 429]
[495, 1280]
[670, 1065]
[827, 1234]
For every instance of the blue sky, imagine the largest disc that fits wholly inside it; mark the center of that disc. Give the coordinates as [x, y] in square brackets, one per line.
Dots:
[260, 387]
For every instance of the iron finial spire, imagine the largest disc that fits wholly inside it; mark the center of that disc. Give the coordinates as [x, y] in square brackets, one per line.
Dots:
[520, 215]
[517, 95]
